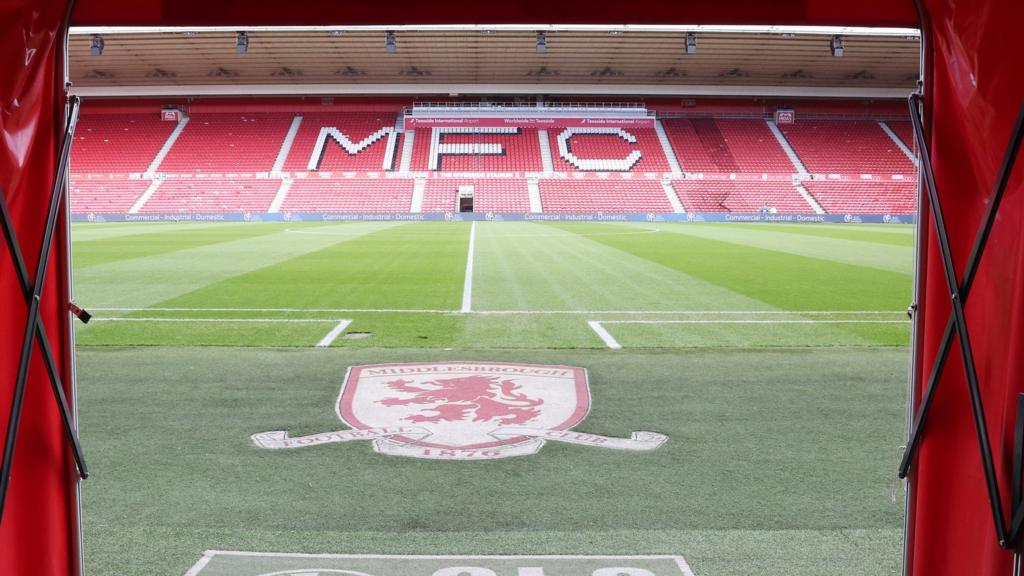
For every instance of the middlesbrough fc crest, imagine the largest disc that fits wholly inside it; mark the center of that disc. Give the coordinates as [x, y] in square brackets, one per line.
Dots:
[463, 411]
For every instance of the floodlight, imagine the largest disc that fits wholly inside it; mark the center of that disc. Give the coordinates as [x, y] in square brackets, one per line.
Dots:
[242, 42]
[97, 45]
[390, 44]
[542, 43]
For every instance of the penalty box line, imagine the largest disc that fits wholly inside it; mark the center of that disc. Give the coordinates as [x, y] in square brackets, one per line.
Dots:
[324, 342]
[514, 312]
[209, 555]
[598, 325]
[604, 335]
[333, 334]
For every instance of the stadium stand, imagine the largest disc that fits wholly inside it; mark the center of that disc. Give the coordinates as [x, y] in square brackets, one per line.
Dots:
[489, 195]
[603, 195]
[865, 196]
[105, 196]
[372, 195]
[850, 147]
[223, 158]
[357, 126]
[228, 143]
[726, 146]
[520, 152]
[118, 143]
[904, 130]
[739, 196]
[211, 196]
[607, 144]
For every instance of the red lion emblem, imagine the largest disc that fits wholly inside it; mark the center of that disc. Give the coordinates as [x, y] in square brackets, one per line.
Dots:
[453, 399]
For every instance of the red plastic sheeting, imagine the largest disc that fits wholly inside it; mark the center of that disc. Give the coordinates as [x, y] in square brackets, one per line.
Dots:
[974, 93]
[37, 534]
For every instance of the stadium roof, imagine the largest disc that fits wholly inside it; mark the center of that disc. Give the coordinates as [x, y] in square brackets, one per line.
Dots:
[583, 59]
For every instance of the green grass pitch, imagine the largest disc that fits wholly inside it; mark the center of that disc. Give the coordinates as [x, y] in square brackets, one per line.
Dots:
[773, 356]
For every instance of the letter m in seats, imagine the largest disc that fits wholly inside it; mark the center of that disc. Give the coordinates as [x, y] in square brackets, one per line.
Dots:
[352, 148]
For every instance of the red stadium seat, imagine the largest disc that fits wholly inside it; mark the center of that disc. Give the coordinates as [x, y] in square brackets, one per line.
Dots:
[118, 143]
[316, 194]
[489, 195]
[211, 195]
[849, 147]
[599, 195]
[740, 196]
[228, 143]
[744, 167]
[726, 146]
[865, 196]
[105, 196]
[355, 125]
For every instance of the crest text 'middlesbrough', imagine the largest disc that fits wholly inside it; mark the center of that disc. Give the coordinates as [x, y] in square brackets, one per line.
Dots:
[463, 411]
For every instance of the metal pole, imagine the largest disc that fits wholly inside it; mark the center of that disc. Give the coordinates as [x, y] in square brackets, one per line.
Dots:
[56, 194]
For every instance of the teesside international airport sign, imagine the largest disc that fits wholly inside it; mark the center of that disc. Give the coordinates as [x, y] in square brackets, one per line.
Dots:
[437, 122]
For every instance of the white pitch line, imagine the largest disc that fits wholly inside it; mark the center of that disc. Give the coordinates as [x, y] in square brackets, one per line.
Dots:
[603, 334]
[697, 312]
[427, 235]
[467, 284]
[198, 566]
[381, 310]
[754, 321]
[333, 334]
[441, 556]
[231, 320]
[512, 312]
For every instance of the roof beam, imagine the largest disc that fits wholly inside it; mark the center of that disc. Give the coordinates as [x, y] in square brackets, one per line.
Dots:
[827, 30]
[503, 89]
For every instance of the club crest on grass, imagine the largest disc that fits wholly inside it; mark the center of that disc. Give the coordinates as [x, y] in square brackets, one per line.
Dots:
[463, 411]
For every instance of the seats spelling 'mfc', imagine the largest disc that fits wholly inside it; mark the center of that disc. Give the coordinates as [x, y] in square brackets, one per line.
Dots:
[360, 159]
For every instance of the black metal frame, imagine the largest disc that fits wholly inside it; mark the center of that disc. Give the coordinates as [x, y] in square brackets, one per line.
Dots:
[957, 326]
[35, 332]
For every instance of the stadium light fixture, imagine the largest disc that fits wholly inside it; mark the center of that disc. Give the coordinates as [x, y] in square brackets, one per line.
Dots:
[390, 43]
[837, 46]
[242, 42]
[97, 45]
[542, 43]
[691, 43]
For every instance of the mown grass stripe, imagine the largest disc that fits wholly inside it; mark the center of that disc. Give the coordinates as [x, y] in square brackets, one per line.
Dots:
[154, 243]
[892, 234]
[142, 282]
[785, 281]
[858, 252]
[537, 267]
[415, 265]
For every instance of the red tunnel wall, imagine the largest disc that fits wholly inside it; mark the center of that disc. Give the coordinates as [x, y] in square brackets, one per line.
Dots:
[38, 533]
[974, 92]
[972, 96]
